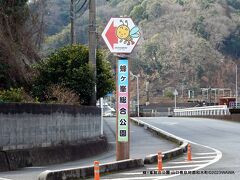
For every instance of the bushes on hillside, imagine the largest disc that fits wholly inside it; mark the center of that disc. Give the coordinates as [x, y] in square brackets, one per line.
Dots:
[61, 95]
[15, 95]
[68, 67]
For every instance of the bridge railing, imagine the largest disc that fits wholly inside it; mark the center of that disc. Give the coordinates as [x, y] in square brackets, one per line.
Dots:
[233, 105]
[202, 111]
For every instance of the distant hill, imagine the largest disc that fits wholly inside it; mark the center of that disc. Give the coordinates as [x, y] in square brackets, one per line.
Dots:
[185, 43]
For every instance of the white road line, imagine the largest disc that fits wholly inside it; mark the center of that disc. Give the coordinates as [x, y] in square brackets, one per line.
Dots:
[169, 123]
[145, 178]
[178, 167]
[211, 153]
[216, 159]
[188, 162]
[204, 157]
[4, 179]
[34, 167]
[133, 173]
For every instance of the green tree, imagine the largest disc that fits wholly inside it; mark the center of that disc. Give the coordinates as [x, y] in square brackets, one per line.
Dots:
[169, 94]
[105, 80]
[199, 27]
[154, 9]
[69, 67]
[231, 44]
[138, 13]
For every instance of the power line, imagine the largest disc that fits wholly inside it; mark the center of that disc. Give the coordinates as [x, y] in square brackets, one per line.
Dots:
[78, 2]
[77, 11]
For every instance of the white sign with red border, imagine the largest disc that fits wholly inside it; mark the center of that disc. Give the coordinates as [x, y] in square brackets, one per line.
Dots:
[121, 35]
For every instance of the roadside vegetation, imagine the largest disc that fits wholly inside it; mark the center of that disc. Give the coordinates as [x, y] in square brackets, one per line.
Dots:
[62, 76]
[185, 44]
[68, 68]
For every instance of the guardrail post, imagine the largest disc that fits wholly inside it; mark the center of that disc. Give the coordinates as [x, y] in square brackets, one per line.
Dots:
[225, 112]
[159, 161]
[189, 152]
[96, 170]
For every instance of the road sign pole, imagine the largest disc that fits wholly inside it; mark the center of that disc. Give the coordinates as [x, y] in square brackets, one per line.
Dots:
[175, 101]
[122, 118]
[121, 36]
[175, 93]
[101, 105]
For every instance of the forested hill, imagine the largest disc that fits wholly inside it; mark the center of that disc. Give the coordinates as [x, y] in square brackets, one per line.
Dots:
[191, 43]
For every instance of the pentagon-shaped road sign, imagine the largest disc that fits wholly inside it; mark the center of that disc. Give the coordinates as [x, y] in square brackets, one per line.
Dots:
[121, 35]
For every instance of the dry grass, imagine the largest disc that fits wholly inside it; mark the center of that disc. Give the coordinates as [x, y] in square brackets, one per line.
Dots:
[62, 95]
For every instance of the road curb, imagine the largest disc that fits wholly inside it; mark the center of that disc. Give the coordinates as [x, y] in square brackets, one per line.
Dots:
[167, 155]
[88, 171]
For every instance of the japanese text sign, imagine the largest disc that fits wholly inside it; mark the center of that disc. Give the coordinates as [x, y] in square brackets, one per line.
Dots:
[122, 101]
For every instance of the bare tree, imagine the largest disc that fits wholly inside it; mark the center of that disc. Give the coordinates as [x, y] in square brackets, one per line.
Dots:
[21, 32]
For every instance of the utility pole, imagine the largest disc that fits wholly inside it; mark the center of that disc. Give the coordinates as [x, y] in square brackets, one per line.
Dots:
[136, 76]
[137, 95]
[210, 96]
[175, 93]
[236, 66]
[73, 17]
[92, 45]
[147, 91]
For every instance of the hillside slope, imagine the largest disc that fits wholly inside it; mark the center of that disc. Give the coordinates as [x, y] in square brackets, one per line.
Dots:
[185, 43]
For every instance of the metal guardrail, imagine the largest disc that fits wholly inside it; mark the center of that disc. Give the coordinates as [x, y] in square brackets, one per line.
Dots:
[202, 111]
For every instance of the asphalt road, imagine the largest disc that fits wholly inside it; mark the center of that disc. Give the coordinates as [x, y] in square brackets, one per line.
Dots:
[221, 135]
[142, 144]
[216, 148]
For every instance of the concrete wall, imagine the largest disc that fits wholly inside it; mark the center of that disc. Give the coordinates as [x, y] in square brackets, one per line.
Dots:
[41, 156]
[88, 171]
[25, 126]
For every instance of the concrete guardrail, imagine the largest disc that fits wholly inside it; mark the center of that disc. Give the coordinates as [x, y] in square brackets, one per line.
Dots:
[167, 155]
[88, 171]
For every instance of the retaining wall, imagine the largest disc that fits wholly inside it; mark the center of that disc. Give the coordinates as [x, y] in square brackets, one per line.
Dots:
[41, 134]
[15, 159]
[24, 126]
